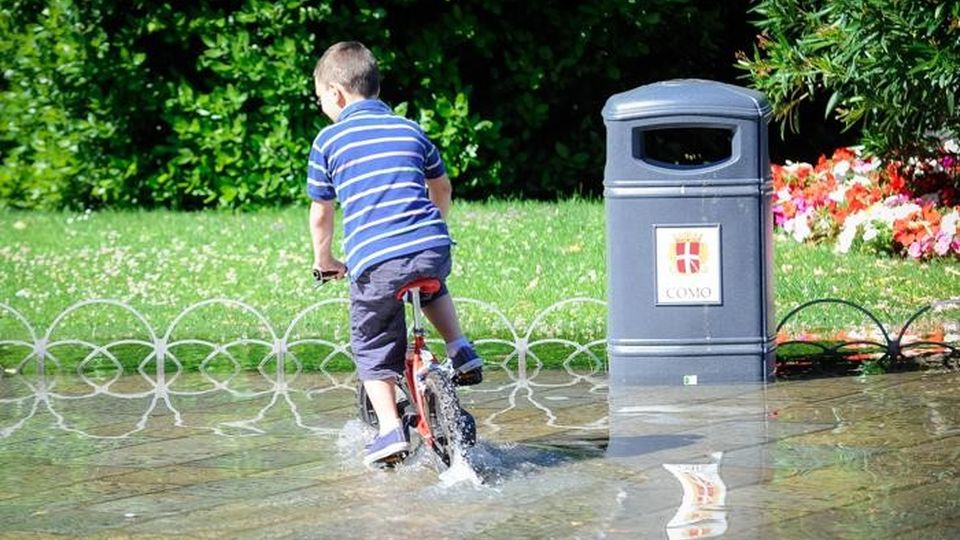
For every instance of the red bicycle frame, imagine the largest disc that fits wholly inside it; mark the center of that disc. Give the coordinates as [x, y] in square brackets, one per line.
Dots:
[415, 367]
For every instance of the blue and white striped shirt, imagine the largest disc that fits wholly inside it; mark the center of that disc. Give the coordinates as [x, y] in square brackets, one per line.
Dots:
[376, 164]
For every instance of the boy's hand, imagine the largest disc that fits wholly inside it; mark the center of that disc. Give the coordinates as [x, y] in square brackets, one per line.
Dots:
[331, 265]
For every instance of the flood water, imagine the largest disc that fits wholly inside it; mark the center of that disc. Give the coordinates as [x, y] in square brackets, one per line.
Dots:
[560, 455]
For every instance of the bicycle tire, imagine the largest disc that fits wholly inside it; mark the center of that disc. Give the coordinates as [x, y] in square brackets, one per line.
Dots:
[452, 427]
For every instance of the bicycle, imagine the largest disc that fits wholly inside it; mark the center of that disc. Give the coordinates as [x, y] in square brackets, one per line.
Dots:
[427, 400]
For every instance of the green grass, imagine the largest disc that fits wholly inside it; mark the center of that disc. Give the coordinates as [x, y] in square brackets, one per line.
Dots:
[521, 257]
[892, 289]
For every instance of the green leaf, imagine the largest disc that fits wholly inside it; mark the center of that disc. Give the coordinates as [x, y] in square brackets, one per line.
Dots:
[832, 103]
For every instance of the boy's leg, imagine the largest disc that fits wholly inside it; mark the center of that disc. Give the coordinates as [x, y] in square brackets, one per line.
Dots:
[383, 397]
[443, 316]
[393, 441]
[378, 340]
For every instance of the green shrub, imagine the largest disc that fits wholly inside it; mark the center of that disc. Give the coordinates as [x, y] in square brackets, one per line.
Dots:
[210, 104]
[64, 129]
[239, 128]
[893, 66]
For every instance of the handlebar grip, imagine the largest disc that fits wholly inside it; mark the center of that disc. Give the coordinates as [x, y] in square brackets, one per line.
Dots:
[324, 276]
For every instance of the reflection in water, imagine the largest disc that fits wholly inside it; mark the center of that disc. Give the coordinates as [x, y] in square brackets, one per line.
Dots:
[702, 514]
[682, 434]
[39, 394]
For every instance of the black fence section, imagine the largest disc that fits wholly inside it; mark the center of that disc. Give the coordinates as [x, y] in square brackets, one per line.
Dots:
[875, 348]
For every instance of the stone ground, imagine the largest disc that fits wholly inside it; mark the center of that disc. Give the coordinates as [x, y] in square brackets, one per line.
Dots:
[560, 456]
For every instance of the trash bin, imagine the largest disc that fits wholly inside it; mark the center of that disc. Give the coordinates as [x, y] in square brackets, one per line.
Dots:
[687, 189]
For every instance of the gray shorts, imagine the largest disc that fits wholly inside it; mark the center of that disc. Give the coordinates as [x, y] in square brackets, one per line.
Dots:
[378, 330]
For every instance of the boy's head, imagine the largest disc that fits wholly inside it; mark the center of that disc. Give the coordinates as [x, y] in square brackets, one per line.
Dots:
[346, 72]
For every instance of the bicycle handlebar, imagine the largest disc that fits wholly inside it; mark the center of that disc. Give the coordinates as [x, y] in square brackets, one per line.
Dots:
[323, 276]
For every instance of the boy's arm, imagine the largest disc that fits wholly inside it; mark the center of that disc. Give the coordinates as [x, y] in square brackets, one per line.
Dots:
[321, 232]
[441, 193]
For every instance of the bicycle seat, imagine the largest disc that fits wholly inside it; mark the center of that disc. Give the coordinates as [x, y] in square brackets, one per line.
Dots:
[426, 286]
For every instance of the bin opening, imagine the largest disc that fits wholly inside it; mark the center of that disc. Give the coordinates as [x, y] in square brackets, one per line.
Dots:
[683, 146]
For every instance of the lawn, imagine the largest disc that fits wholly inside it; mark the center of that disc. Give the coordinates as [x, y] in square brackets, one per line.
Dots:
[519, 257]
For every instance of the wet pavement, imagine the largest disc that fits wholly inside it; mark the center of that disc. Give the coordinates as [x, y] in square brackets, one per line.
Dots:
[561, 455]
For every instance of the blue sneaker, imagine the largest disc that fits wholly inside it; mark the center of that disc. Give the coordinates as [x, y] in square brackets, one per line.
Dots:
[467, 367]
[388, 448]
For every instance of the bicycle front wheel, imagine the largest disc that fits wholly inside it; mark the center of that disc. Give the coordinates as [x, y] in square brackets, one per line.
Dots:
[452, 428]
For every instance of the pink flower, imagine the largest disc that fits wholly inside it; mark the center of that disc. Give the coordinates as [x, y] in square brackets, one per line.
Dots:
[942, 246]
[915, 250]
[895, 200]
[778, 216]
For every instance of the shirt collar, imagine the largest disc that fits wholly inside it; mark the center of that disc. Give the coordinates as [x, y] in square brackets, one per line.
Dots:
[364, 105]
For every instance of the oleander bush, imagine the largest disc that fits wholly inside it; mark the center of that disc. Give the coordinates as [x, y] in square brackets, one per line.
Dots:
[890, 67]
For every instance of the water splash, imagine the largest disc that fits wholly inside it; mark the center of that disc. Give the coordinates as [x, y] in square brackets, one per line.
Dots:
[461, 471]
[351, 443]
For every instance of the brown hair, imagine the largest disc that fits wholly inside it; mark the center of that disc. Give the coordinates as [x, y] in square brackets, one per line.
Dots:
[352, 65]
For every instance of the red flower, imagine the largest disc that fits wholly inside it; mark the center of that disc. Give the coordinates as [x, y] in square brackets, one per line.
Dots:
[931, 217]
[778, 181]
[822, 163]
[843, 153]
[897, 183]
[906, 231]
[789, 209]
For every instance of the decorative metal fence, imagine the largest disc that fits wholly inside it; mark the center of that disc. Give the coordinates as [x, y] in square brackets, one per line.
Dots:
[35, 381]
[103, 369]
[873, 344]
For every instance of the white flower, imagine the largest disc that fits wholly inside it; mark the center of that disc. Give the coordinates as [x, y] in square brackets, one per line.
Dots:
[838, 194]
[951, 146]
[845, 239]
[798, 227]
[949, 223]
[867, 221]
[841, 168]
[849, 231]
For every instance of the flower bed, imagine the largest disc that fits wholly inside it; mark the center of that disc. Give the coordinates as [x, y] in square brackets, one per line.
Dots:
[856, 201]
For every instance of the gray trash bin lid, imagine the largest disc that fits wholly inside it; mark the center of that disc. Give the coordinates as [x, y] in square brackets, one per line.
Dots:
[694, 97]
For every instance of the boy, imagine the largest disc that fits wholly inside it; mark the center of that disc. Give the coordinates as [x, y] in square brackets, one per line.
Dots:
[395, 194]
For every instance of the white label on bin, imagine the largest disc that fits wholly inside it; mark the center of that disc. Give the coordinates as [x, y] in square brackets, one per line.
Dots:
[688, 265]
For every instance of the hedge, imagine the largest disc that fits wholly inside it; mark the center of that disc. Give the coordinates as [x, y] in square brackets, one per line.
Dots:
[202, 103]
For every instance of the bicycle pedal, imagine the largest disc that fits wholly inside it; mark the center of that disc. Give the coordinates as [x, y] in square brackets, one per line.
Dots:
[391, 462]
[470, 378]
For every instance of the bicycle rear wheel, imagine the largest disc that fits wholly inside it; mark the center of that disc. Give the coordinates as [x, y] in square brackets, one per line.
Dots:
[453, 428]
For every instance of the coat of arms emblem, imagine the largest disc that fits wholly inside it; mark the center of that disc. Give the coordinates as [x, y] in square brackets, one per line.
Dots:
[689, 253]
